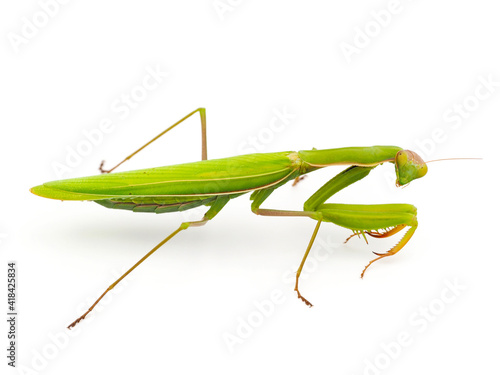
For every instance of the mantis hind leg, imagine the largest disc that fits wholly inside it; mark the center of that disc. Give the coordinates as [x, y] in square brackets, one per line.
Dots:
[203, 119]
[215, 207]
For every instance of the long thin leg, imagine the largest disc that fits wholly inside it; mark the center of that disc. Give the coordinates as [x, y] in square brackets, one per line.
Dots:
[299, 271]
[314, 215]
[219, 203]
[258, 198]
[203, 139]
[126, 273]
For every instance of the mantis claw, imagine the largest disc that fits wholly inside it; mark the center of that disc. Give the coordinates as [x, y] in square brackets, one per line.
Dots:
[368, 265]
[397, 247]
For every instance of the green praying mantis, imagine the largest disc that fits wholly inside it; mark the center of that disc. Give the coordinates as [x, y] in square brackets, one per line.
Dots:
[214, 183]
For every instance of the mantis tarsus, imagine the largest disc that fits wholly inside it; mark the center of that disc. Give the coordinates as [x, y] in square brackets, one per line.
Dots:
[214, 182]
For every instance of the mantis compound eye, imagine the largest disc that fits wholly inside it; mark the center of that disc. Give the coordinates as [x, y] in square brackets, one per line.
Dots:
[409, 167]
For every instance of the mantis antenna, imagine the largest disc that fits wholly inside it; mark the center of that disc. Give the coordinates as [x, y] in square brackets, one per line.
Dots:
[430, 161]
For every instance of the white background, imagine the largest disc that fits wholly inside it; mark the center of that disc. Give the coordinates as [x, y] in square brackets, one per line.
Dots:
[402, 85]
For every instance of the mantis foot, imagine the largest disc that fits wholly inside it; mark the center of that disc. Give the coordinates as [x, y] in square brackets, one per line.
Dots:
[102, 169]
[78, 320]
[303, 299]
[297, 180]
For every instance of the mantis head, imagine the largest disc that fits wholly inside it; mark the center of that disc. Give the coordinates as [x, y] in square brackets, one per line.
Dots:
[409, 167]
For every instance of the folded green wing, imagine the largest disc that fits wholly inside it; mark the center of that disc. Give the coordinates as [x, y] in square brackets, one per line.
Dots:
[197, 180]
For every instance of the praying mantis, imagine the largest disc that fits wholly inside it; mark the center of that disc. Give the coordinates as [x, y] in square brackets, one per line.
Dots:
[215, 182]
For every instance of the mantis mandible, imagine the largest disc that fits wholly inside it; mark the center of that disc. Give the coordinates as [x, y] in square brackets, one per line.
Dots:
[214, 183]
